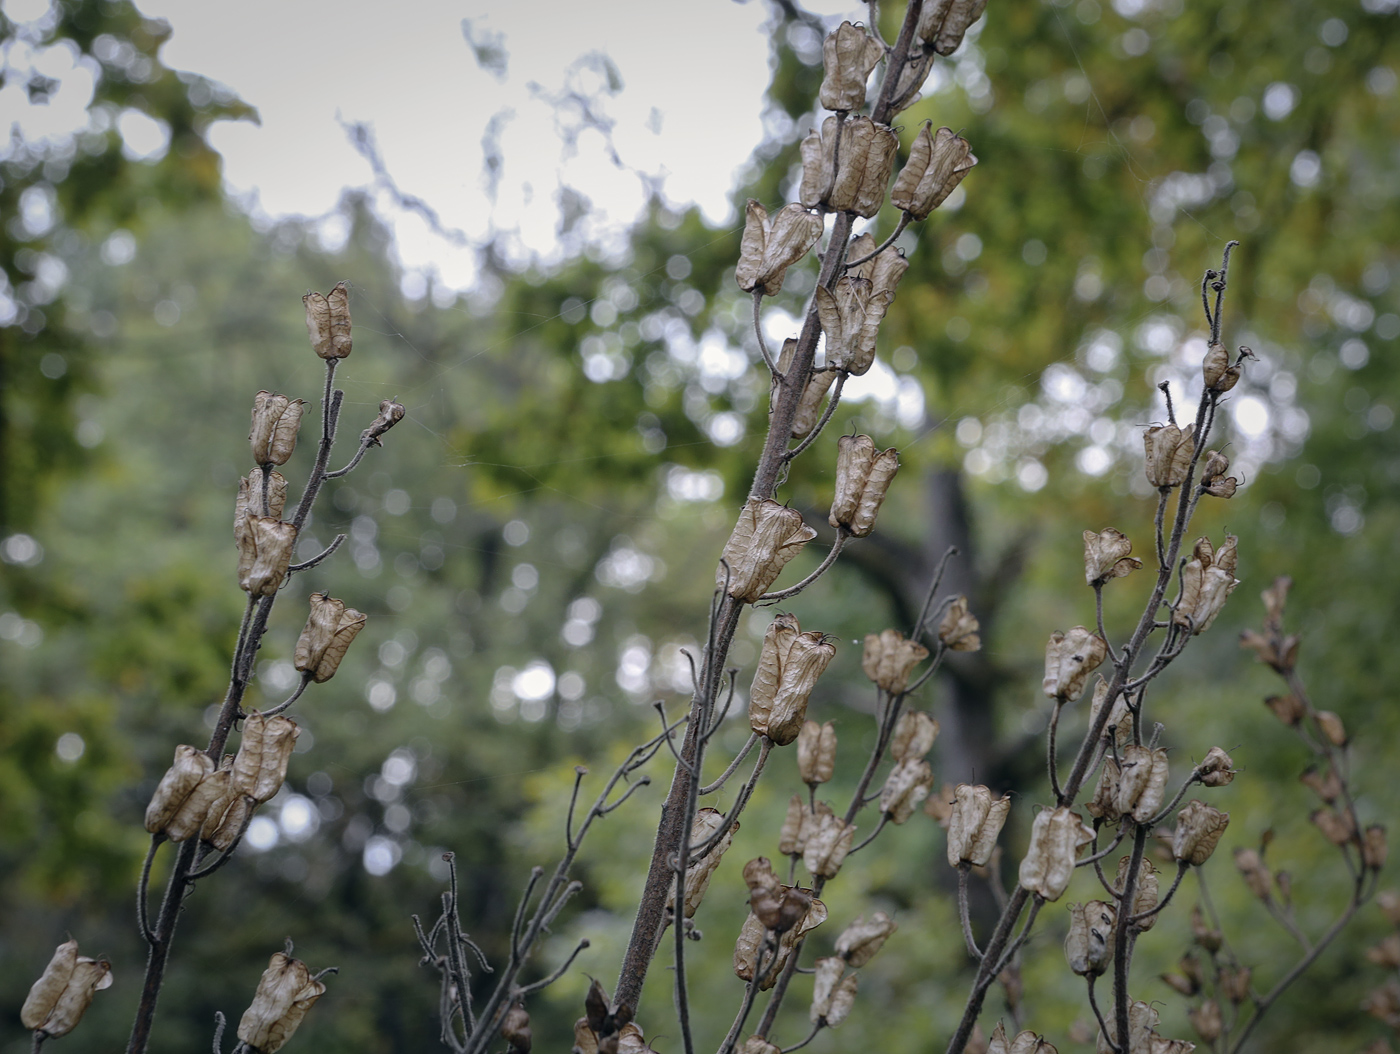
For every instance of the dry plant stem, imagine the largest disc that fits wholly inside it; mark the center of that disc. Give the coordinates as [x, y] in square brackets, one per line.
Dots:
[810, 1036]
[773, 371]
[39, 1037]
[1051, 762]
[1094, 1004]
[327, 551]
[219, 1024]
[1123, 934]
[143, 920]
[964, 915]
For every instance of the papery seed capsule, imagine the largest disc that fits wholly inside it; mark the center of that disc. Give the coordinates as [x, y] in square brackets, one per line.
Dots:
[850, 315]
[759, 1045]
[285, 993]
[827, 974]
[860, 940]
[1336, 825]
[1106, 556]
[790, 839]
[62, 994]
[788, 668]
[1208, 938]
[264, 554]
[943, 23]
[1206, 1020]
[1142, 1022]
[937, 164]
[848, 56]
[1333, 728]
[1142, 782]
[1256, 875]
[1069, 659]
[227, 819]
[1057, 837]
[766, 537]
[190, 817]
[914, 734]
[630, 1039]
[1024, 1042]
[1322, 782]
[771, 245]
[1144, 890]
[827, 846]
[958, 629]
[851, 176]
[882, 270]
[273, 435]
[515, 1029]
[1216, 371]
[906, 786]
[1386, 953]
[1206, 581]
[1089, 945]
[328, 322]
[250, 498]
[888, 660]
[816, 752]
[1198, 830]
[700, 870]
[974, 824]
[1169, 451]
[191, 765]
[1373, 847]
[1287, 708]
[326, 637]
[1216, 769]
[1119, 726]
[261, 764]
[758, 873]
[842, 999]
[390, 414]
[1234, 983]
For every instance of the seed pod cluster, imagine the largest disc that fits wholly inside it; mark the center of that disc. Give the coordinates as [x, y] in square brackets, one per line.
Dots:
[863, 477]
[326, 637]
[832, 993]
[848, 56]
[788, 668]
[889, 659]
[1213, 479]
[285, 993]
[765, 538]
[958, 628]
[1106, 556]
[937, 164]
[58, 999]
[1206, 581]
[1057, 838]
[1134, 785]
[1069, 659]
[850, 315]
[846, 167]
[788, 913]
[974, 824]
[770, 245]
[328, 322]
[913, 736]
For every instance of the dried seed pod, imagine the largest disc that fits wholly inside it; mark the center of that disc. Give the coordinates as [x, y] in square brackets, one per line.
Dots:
[390, 414]
[850, 315]
[227, 818]
[809, 407]
[1103, 805]
[1069, 659]
[1256, 875]
[1206, 1020]
[597, 1008]
[906, 786]
[842, 1000]
[328, 321]
[190, 817]
[1373, 847]
[958, 629]
[759, 1045]
[766, 537]
[1216, 371]
[250, 497]
[788, 668]
[191, 765]
[630, 1039]
[1322, 782]
[816, 752]
[1234, 983]
[888, 661]
[944, 23]
[1142, 1021]
[860, 940]
[285, 993]
[1162, 1045]
[802, 912]
[1332, 727]
[261, 764]
[1057, 837]
[937, 164]
[1106, 556]
[790, 839]
[848, 56]
[1287, 708]
[698, 872]
[914, 733]
[1386, 953]
[1336, 825]
[758, 874]
[1119, 726]
[827, 975]
[1088, 947]
[827, 846]
[1144, 890]
[1273, 648]
[771, 245]
[1198, 830]
[1206, 581]
[1213, 478]
[1169, 451]
[1142, 783]
[515, 1028]
[883, 270]
[812, 820]
[1025, 1042]
[1216, 769]
[851, 176]
[326, 637]
[62, 994]
[974, 824]
[273, 435]
[585, 1039]
[1208, 938]
[1384, 1003]
[264, 554]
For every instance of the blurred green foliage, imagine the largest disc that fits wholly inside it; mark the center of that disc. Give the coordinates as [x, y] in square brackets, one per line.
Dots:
[535, 543]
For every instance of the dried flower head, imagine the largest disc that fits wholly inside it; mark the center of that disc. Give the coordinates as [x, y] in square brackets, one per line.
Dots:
[1323, 782]
[848, 56]
[1088, 945]
[958, 628]
[1057, 837]
[906, 786]
[1169, 451]
[1287, 708]
[851, 176]
[816, 752]
[943, 23]
[863, 477]
[1069, 659]
[914, 734]
[766, 537]
[261, 763]
[62, 994]
[273, 435]
[788, 668]
[1106, 556]
[1332, 727]
[937, 164]
[328, 321]
[771, 245]
[974, 824]
[860, 940]
[888, 661]
[326, 637]
[264, 554]
[1336, 825]
[1216, 769]
[285, 993]
[1198, 830]
[1206, 581]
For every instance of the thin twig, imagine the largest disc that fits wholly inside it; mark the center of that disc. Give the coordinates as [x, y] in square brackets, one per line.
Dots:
[143, 920]
[219, 1023]
[773, 373]
[840, 543]
[710, 788]
[904, 220]
[964, 913]
[1094, 1003]
[305, 680]
[327, 551]
[1050, 759]
[530, 989]
[833, 399]
[821, 1023]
